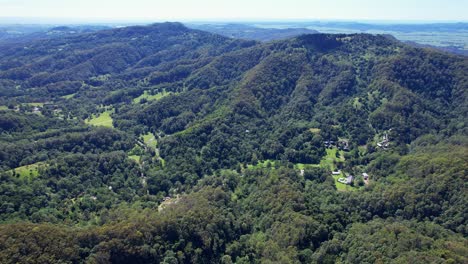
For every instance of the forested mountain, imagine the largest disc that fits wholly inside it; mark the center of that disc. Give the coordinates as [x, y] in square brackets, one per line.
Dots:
[172, 145]
[244, 31]
[23, 33]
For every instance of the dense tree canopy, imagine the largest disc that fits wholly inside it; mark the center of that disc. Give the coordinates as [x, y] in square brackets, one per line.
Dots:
[169, 145]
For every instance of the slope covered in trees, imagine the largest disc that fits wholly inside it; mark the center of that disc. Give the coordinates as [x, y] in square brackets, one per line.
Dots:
[222, 150]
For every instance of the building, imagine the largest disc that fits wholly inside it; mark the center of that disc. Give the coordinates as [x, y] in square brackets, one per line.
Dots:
[385, 142]
[349, 179]
[36, 110]
[365, 176]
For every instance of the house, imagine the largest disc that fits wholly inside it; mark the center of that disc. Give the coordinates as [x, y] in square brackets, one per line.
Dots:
[343, 144]
[365, 176]
[336, 172]
[385, 142]
[168, 201]
[36, 110]
[329, 143]
[349, 179]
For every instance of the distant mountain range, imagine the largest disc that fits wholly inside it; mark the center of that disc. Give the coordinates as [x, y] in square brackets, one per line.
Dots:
[451, 37]
[243, 31]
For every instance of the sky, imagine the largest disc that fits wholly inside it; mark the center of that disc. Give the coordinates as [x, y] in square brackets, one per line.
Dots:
[232, 10]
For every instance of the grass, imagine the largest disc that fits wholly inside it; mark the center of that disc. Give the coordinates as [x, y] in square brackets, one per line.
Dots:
[327, 162]
[262, 164]
[314, 130]
[3, 107]
[356, 103]
[150, 140]
[301, 166]
[28, 171]
[35, 104]
[135, 158]
[103, 119]
[69, 96]
[146, 95]
[341, 186]
[362, 149]
[330, 158]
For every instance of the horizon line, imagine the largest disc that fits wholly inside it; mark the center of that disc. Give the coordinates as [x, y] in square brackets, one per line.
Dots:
[72, 20]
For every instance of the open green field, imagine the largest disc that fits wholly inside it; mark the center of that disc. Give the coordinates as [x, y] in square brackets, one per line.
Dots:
[330, 158]
[327, 162]
[262, 164]
[103, 119]
[146, 95]
[68, 96]
[314, 130]
[135, 158]
[301, 166]
[35, 104]
[3, 107]
[150, 140]
[341, 186]
[28, 171]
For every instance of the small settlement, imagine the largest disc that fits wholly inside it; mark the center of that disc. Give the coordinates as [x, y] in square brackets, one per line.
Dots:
[342, 144]
[350, 178]
[385, 142]
[168, 201]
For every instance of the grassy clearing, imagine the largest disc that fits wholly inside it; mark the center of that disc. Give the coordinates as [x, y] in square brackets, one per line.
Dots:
[135, 158]
[103, 119]
[146, 95]
[341, 186]
[3, 107]
[150, 140]
[301, 166]
[362, 149]
[314, 130]
[35, 104]
[262, 164]
[356, 103]
[329, 160]
[69, 96]
[28, 171]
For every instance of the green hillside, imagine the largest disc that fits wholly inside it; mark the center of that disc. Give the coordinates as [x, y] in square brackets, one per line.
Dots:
[220, 150]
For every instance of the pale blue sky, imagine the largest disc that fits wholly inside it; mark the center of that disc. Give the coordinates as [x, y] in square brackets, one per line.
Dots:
[456, 10]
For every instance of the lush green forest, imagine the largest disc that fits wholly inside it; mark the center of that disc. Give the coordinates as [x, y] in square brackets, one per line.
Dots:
[163, 144]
